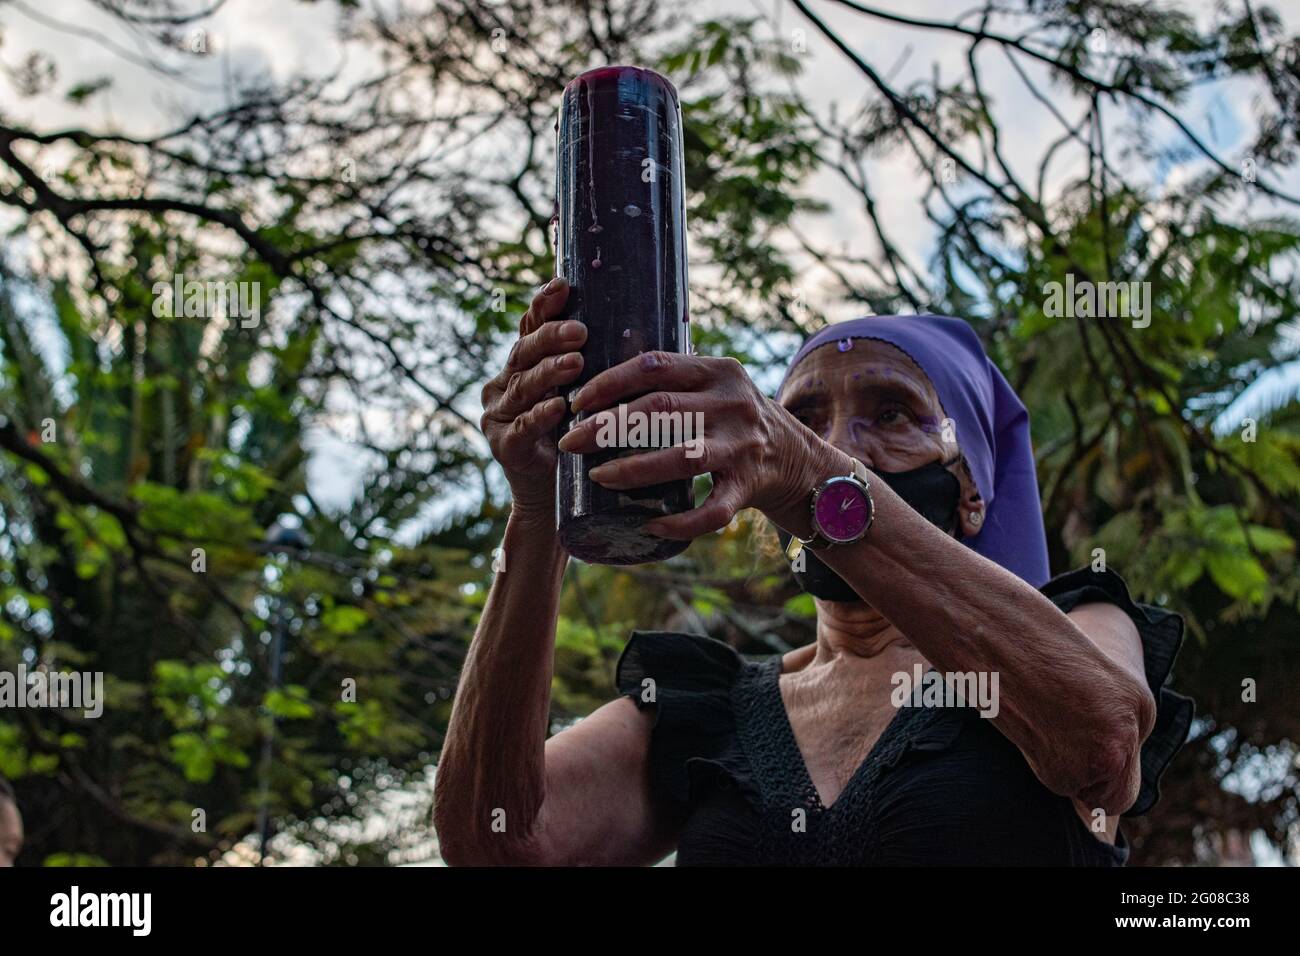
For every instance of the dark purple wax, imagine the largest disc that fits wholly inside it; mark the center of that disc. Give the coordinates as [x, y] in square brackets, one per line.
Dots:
[621, 244]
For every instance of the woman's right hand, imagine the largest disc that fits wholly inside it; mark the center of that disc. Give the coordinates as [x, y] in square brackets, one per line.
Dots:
[524, 403]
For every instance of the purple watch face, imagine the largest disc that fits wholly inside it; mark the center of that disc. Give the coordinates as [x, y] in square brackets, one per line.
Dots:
[842, 510]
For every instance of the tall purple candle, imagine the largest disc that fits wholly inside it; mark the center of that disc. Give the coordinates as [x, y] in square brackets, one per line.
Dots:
[621, 244]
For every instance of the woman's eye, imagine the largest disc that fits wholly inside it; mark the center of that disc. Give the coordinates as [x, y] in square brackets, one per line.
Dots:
[894, 416]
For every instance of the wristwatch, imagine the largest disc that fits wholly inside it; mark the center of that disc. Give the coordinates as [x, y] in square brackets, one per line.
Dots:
[842, 511]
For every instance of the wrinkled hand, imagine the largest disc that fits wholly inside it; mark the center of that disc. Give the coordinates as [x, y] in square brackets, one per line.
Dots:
[522, 405]
[760, 456]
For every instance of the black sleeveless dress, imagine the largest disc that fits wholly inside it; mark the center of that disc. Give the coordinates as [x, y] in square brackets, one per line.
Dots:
[942, 786]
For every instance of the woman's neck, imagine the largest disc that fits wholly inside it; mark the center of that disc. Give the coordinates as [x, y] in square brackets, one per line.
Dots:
[848, 631]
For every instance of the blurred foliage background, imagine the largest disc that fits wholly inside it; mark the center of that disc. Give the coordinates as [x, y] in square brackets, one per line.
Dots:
[156, 519]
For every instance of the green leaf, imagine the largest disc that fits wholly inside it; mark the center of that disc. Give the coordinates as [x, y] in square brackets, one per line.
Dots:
[1237, 576]
[344, 619]
[74, 859]
[802, 605]
[288, 703]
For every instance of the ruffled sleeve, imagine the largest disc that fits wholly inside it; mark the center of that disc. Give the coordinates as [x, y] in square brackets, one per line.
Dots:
[1161, 632]
[687, 679]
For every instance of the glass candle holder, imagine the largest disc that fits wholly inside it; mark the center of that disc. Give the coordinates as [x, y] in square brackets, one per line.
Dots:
[621, 245]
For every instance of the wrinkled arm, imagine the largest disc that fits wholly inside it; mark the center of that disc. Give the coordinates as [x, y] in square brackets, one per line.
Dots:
[504, 793]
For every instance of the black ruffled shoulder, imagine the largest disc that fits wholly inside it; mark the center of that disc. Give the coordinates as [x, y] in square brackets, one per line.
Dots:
[1161, 632]
[688, 680]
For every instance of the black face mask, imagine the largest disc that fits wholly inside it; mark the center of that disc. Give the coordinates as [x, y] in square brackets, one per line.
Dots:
[932, 491]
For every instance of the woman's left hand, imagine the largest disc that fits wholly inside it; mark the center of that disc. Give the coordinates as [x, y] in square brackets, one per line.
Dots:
[760, 455]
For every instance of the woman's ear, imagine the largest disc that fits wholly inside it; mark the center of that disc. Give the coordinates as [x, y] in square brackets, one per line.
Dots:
[970, 506]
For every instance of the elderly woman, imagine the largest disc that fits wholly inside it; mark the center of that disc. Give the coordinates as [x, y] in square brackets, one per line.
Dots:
[900, 459]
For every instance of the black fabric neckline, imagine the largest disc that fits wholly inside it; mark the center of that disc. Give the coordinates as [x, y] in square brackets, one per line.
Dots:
[770, 692]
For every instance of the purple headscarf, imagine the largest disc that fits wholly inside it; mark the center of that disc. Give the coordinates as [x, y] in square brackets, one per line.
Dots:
[991, 423]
